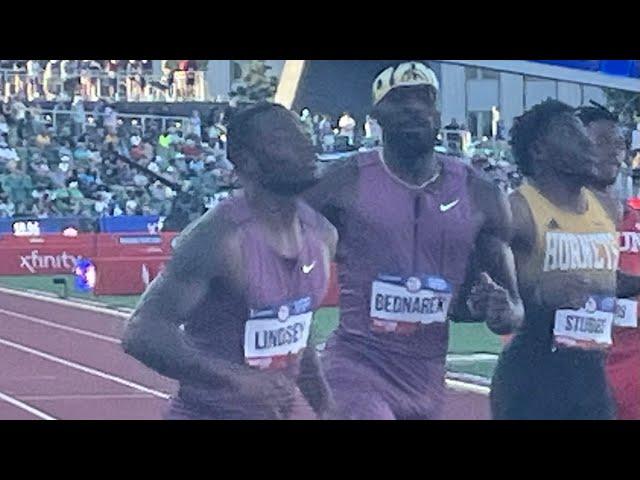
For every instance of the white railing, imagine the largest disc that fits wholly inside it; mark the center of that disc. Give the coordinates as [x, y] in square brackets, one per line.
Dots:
[55, 116]
[92, 86]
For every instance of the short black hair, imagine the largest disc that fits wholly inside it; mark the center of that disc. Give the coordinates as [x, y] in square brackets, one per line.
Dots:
[531, 126]
[239, 130]
[596, 113]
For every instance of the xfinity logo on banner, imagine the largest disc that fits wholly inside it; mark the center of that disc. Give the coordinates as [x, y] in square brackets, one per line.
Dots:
[35, 261]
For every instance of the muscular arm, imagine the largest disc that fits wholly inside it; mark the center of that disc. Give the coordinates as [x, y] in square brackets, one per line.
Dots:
[492, 284]
[205, 256]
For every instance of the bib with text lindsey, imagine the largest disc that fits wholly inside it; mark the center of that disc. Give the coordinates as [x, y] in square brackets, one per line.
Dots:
[273, 337]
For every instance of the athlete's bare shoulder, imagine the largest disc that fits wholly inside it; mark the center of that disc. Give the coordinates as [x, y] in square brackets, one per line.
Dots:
[492, 203]
[325, 230]
[208, 246]
[524, 232]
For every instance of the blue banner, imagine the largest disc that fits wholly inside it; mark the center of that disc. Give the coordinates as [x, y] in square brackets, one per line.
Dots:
[131, 223]
[622, 68]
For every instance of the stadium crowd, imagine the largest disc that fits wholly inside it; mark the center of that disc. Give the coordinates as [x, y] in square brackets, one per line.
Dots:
[86, 166]
[97, 163]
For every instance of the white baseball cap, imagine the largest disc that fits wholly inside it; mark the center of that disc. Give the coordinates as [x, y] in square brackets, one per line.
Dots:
[403, 75]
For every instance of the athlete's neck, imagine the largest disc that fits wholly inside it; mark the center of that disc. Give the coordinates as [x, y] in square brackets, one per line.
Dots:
[563, 190]
[278, 211]
[417, 171]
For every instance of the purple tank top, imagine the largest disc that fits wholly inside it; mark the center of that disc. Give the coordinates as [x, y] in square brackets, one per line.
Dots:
[244, 327]
[405, 234]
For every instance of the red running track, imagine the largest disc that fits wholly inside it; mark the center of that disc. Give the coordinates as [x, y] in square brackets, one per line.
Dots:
[59, 361]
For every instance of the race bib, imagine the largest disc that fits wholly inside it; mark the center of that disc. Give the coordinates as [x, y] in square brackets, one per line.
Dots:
[626, 314]
[274, 337]
[587, 328]
[401, 304]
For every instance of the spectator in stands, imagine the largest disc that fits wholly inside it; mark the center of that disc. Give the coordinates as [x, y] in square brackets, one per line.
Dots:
[43, 139]
[81, 153]
[196, 124]
[4, 126]
[7, 153]
[131, 205]
[453, 125]
[192, 148]
[372, 130]
[18, 186]
[34, 70]
[326, 134]
[51, 79]
[110, 121]
[7, 207]
[347, 127]
[59, 172]
[79, 117]
[137, 151]
[19, 112]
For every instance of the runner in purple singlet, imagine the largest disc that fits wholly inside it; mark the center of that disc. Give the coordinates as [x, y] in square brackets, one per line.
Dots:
[244, 282]
[409, 221]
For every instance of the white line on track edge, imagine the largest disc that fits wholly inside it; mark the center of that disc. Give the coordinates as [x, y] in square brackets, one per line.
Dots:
[453, 384]
[66, 303]
[23, 406]
[83, 368]
[59, 326]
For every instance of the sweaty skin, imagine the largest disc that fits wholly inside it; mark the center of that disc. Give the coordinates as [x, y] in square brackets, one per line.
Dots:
[205, 289]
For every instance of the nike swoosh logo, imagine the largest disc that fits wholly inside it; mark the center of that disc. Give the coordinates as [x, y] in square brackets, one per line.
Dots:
[448, 206]
[306, 269]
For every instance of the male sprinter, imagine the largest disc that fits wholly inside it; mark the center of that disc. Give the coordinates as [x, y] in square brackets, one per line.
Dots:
[244, 281]
[623, 362]
[409, 220]
[566, 251]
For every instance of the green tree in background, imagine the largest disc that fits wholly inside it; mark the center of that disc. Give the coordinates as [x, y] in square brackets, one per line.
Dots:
[257, 83]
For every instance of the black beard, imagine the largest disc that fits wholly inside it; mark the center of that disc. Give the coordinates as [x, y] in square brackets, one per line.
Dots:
[287, 188]
[409, 145]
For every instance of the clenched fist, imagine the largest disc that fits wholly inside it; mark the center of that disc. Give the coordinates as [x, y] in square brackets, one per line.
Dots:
[490, 302]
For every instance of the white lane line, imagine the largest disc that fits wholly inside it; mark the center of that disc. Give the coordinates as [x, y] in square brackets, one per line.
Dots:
[123, 396]
[59, 326]
[453, 384]
[83, 368]
[23, 406]
[467, 387]
[471, 357]
[66, 303]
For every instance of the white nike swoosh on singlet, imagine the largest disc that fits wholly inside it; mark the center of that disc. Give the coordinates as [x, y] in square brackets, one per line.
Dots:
[448, 206]
[306, 269]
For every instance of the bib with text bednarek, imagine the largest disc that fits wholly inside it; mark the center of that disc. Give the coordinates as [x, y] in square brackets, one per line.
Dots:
[586, 328]
[400, 304]
[274, 337]
[626, 314]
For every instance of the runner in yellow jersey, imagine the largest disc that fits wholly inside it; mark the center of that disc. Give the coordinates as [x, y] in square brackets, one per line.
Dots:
[566, 251]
